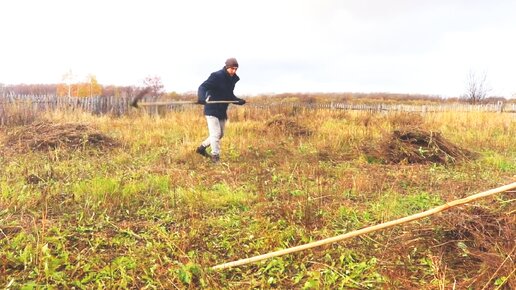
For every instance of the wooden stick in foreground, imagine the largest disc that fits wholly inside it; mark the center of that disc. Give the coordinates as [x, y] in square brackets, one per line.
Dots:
[370, 229]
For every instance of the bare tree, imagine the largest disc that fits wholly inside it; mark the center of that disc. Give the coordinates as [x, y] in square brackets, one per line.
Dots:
[69, 79]
[476, 88]
[155, 84]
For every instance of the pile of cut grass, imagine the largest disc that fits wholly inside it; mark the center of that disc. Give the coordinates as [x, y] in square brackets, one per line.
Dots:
[44, 136]
[476, 243]
[417, 146]
[287, 126]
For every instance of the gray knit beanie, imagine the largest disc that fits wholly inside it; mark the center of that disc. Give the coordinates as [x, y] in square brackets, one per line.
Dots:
[231, 62]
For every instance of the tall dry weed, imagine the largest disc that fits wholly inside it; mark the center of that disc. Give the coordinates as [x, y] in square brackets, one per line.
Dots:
[18, 114]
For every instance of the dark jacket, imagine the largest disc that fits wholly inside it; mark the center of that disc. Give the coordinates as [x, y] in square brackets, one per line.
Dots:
[219, 86]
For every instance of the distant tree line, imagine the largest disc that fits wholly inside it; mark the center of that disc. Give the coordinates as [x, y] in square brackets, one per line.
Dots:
[379, 97]
[92, 88]
[88, 88]
[76, 90]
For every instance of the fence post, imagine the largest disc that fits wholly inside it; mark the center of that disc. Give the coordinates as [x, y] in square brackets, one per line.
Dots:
[500, 106]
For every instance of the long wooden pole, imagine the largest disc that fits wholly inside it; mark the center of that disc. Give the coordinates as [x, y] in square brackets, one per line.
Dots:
[183, 102]
[367, 230]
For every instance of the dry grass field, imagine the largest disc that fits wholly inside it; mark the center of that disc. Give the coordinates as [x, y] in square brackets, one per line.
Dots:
[125, 202]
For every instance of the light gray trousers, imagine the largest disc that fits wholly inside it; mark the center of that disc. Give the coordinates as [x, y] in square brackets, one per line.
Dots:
[216, 131]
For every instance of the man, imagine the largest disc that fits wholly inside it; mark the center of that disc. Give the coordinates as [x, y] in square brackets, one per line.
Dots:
[218, 87]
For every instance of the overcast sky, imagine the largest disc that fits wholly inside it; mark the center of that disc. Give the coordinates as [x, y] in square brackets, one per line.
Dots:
[396, 46]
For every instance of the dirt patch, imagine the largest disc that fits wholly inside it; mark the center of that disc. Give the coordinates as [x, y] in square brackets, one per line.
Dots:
[420, 146]
[286, 126]
[44, 136]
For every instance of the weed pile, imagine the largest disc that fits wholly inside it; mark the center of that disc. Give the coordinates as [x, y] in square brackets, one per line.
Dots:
[420, 146]
[44, 136]
[477, 242]
[287, 126]
[487, 250]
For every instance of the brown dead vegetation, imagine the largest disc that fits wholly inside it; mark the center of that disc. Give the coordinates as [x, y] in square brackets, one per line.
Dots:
[405, 119]
[286, 126]
[476, 242]
[420, 146]
[44, 136]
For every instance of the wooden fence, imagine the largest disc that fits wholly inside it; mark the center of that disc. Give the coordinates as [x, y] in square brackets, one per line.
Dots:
[499, 107]
[96, 105]
[25, 106]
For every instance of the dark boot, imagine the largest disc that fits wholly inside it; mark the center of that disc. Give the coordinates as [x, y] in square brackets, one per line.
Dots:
[202, 150]
[215, 158]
